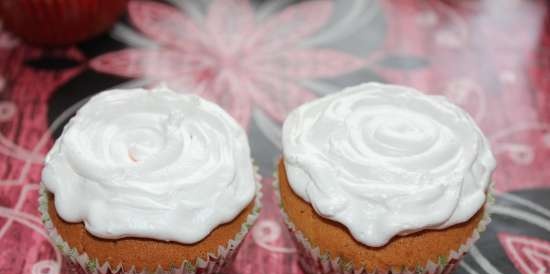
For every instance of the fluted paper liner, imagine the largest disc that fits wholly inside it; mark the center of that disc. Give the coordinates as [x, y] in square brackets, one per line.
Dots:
[212, 264]
[312, 260]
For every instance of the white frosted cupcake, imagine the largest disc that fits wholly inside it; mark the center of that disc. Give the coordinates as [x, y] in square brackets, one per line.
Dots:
[149, 180]
[381, 178]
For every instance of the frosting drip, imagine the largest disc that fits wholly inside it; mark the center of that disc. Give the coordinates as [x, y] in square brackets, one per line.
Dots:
[152, 164]
[387, 160]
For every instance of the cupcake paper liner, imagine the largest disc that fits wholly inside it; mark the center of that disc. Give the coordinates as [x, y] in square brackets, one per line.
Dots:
[312, 260]
[82, 263]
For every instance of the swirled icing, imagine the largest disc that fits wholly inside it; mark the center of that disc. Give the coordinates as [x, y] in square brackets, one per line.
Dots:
[150, 163]
[387, 160]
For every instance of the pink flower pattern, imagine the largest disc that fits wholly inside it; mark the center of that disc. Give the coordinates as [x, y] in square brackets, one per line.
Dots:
[529, 255]
[230, 58]
[251, 63]
[24, 140]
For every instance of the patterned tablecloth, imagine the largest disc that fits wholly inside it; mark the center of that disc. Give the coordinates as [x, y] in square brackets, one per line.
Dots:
[261, 59]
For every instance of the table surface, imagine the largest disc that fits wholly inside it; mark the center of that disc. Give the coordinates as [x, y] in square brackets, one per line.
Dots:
[491, 57]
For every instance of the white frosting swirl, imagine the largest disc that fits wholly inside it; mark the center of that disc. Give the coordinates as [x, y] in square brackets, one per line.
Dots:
[152, 164]
[387, 160]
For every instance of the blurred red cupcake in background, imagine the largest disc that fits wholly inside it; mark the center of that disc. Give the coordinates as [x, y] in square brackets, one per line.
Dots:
[59, 22]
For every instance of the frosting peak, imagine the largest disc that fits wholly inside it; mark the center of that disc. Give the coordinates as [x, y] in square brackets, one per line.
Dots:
[386, 160]
[153, 164]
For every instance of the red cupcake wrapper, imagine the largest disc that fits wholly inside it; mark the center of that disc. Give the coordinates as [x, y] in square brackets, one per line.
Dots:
[59, 22]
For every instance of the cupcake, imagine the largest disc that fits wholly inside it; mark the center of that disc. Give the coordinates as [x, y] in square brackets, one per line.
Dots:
[383, 179]
[59, 22]
[149, 181]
